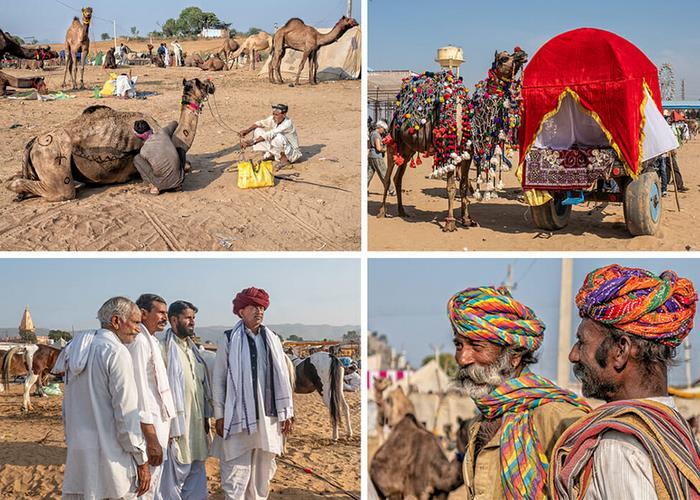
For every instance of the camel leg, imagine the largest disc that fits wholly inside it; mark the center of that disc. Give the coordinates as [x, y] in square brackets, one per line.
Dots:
[304, 57]
[28, 383]
[314, 67]
[386, 181]
[252, 61]
[83, 58]
[69, 67]
[451, 191]
[464, 194]
[398, 178]
[74, 71]
[51, 177]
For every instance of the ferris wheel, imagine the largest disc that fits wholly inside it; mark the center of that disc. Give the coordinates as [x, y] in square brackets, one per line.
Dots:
[667, 82]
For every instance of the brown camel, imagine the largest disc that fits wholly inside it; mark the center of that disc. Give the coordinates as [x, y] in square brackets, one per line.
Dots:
[98, 147]
[230, 46]
[8, 45]
[408, 145]
[214, 63]
[296, 35]
[252, 45]
[193, 60]
[77, 39]
[36, 82]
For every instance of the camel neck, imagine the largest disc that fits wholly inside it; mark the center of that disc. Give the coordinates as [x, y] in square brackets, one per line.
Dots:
[183, 137]
[332, 36]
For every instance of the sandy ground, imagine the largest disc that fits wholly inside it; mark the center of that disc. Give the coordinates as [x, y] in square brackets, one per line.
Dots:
[33, 453]
[318, 210]
[505, 223]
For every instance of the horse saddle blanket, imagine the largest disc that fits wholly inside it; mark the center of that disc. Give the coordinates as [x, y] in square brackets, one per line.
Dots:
[570, 169]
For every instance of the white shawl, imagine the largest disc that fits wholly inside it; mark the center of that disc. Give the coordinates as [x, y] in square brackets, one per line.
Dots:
[239, 407]
[73, 358]
[167, 405]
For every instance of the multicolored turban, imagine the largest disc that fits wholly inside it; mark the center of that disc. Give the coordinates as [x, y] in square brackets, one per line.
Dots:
[251, 297]
[491, 314]
[656, 308]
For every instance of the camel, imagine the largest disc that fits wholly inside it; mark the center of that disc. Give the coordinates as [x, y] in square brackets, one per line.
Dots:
[36, 82]
[296, 35]
[98, 147]
[253, 44]
[8, 45]
[77, 40]
[214, 63]
[230, 46]
[194, 60]
[380, 385]
[408, 145]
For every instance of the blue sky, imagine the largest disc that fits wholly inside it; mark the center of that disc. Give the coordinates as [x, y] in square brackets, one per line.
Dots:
[407, 298]
[50, 19]
[406, 34]
[65, 293]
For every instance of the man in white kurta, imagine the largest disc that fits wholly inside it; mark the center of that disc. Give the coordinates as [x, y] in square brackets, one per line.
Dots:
[184, 474]
[275, 136]
[106, 455]
[155, 401]
[247, 440]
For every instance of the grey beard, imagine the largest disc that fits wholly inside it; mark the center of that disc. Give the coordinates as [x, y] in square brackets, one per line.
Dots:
[476, 380]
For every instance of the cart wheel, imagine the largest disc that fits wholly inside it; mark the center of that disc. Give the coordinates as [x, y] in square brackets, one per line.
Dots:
[642, 204]
[552, 215]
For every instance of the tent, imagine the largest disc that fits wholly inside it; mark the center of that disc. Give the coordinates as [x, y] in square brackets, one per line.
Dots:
[592, 88]
[341, 60]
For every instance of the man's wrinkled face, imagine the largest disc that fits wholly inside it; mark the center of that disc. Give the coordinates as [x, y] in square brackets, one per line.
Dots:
[252, 316]
[483, 365]
[183, 323]
[278, 116]
[589, 357]
[128, 329]
[156, 319]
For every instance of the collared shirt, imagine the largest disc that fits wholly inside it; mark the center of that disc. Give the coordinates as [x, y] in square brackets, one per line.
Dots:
[622, 467]
[194, 444]
[286, 128]
[102, 424]
[482, 473]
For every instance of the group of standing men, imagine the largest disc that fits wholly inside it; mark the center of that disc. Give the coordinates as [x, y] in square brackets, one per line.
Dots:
[137, 407]
[533, 439]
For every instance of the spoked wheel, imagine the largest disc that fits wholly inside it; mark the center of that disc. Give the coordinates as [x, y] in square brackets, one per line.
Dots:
[552, 215]
[642, 204]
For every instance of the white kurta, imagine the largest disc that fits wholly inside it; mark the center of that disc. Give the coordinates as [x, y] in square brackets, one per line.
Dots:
[269, 434]
[278, 138]
[622, 467]
[145, 377]
[102, 423]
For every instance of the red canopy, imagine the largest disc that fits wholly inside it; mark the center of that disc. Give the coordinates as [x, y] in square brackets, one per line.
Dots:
[605, 73]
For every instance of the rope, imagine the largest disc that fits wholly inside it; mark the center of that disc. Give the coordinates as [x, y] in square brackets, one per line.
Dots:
[218, 119]
[291, 463]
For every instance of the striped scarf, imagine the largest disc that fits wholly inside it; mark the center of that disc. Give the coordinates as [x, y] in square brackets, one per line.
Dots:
[673, 451]
[524, 463]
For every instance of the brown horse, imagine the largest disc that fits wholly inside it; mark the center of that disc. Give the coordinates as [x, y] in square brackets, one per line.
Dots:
[17, 360]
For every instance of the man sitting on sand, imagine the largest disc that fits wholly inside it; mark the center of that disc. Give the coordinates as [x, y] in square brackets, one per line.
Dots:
[159, 162]
[275, 136]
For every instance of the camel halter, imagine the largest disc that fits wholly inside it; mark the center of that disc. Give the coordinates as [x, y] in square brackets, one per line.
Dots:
[86, 20]
[195, 106]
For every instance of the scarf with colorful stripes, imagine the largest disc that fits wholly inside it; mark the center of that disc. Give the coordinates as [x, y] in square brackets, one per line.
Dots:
[672, 448]
[524, 463]
[491, 314]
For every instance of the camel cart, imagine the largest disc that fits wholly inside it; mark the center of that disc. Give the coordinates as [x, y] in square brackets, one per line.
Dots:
[592, 130]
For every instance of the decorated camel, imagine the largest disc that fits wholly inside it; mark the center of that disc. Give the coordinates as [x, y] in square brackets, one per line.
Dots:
[229, 48]
[440, 123]
[77, 40]
[252, 45]
[98, 147]
[296, 35]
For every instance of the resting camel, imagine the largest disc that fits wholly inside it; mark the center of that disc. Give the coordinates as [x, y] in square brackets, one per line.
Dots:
[411, 462]
[505, 66]
[77, 40]
[296, 35]
[214, 63]
[98, 147]
[230, 46]
[36, 82]
[253, 44]
[194, 60]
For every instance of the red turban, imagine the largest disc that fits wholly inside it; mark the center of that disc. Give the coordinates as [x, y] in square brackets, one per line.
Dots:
[251, 297]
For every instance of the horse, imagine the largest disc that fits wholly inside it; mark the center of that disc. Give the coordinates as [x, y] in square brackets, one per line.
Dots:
[323, 373]
[18, 360]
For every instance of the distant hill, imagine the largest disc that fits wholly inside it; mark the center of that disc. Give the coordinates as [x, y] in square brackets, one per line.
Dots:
[307, 332]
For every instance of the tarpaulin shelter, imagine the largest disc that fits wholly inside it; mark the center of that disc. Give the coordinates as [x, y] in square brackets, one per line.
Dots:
[589, 87]
[340, 60]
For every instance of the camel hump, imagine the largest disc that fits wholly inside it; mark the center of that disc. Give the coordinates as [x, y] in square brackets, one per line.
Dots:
[294, 19]
[91, 109]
